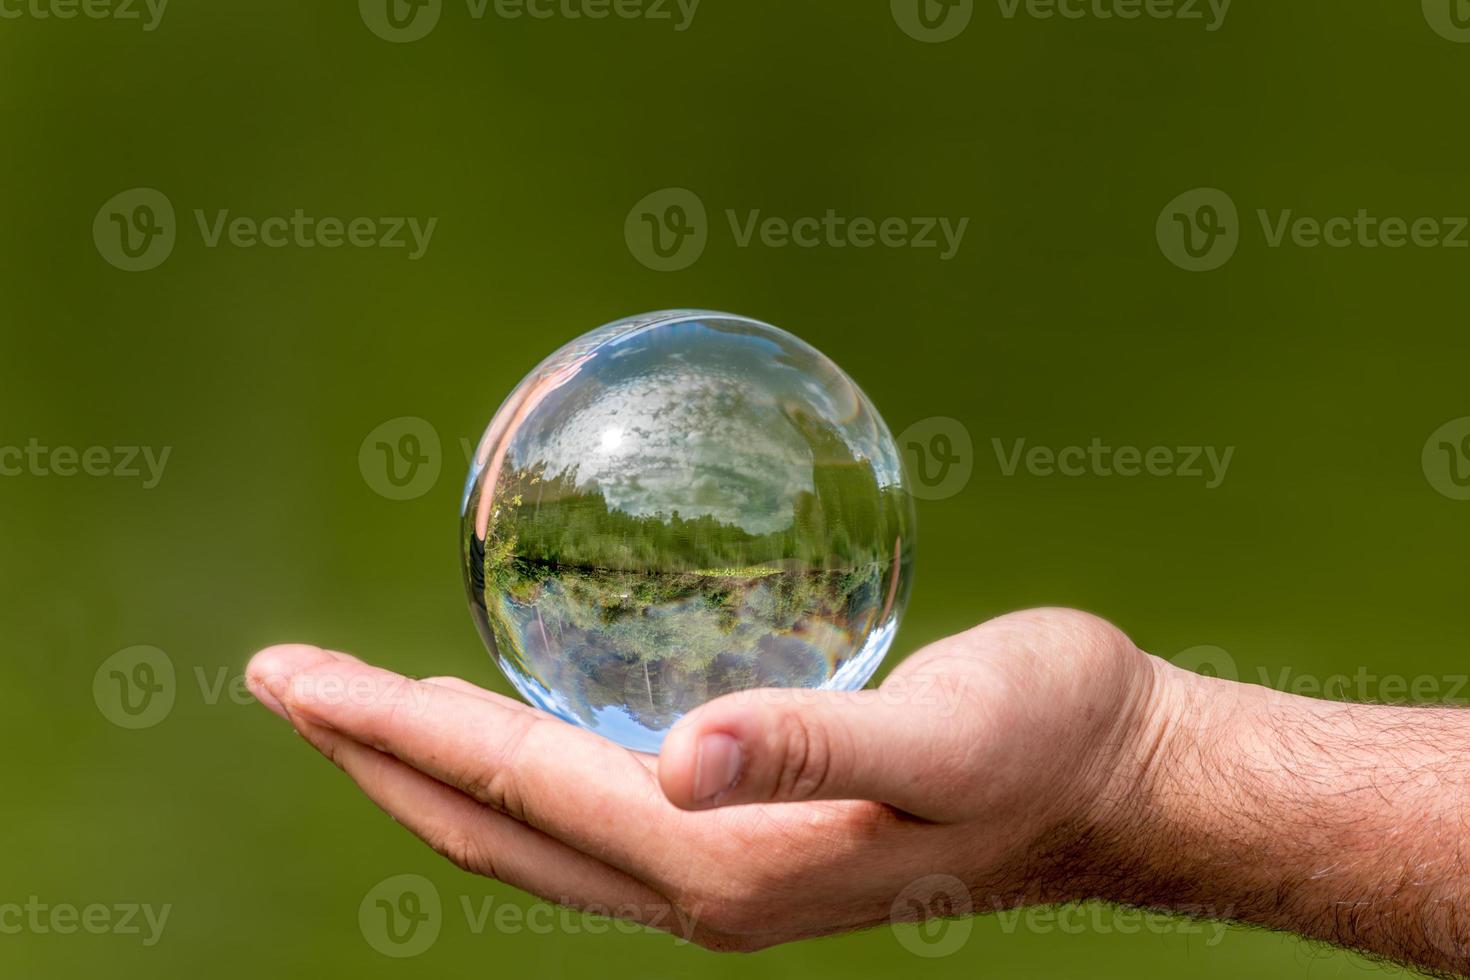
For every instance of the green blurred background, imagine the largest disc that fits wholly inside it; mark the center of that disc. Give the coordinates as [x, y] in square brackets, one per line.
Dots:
[1329, 547]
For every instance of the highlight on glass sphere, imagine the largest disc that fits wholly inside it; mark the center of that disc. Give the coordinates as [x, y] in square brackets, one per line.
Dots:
[679, 506]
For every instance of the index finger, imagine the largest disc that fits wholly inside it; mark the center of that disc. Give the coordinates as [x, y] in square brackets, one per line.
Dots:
[569, 783]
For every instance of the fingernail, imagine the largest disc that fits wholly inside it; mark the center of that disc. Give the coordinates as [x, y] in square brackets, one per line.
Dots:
[717, 762]
[269, 691]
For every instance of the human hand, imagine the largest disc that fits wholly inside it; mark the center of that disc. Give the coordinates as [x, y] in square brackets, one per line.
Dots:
[996, 757]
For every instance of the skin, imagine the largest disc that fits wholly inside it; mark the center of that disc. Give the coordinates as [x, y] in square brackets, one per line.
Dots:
[1038, 758]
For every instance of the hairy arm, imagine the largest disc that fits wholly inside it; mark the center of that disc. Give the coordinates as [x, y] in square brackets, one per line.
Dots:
[1340, 822]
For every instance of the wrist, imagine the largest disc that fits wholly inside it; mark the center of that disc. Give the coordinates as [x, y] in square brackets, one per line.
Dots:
[1114, 813]
[1154, 835]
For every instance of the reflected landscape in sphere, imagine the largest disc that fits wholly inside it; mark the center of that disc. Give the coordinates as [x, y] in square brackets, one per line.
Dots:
[679, 506]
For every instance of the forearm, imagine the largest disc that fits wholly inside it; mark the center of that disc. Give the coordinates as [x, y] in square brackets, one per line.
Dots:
[1340, 822]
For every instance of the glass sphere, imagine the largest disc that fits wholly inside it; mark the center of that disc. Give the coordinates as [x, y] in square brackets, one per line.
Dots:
[678, 506]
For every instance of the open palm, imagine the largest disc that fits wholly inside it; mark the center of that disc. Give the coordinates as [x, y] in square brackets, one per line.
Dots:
[769, 815]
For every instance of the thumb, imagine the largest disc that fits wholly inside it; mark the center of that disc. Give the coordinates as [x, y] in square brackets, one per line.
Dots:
[776, 746]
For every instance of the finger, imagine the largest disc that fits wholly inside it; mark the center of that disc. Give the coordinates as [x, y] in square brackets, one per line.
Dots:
[484, 842]
[571, 784]
[281, 662]
[463, 686]
[774, 746]
[649, 762]
[459, 684]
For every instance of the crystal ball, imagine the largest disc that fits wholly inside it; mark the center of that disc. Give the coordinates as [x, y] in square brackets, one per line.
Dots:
[678, 506]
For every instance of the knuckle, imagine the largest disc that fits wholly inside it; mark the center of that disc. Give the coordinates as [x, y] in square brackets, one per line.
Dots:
[805, 753]
[465, 851]
[332, 749]
[497, 790]
[495, 781]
